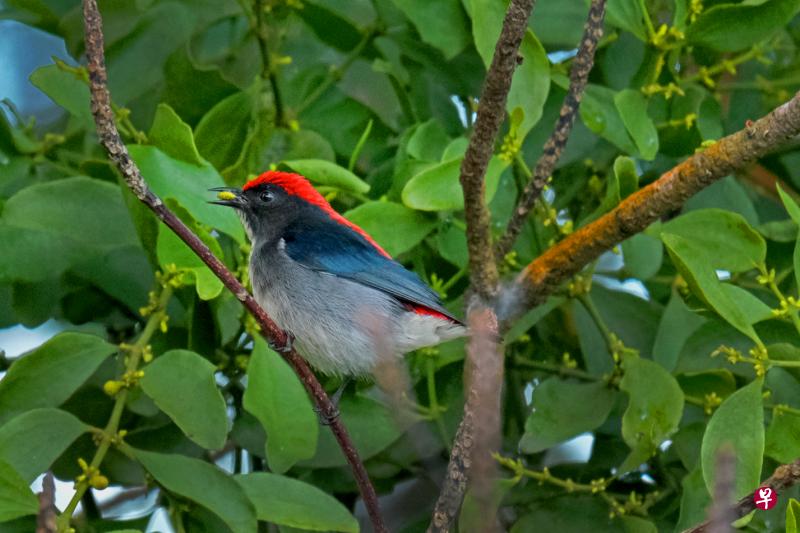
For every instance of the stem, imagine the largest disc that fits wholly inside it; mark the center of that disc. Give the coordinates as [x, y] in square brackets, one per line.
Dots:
[588, 304]
[433, 401]
[555, 369]
[112, 427]
[359, 146]
[335, 73]
[773, 286]
[267, 72]
[724, 65]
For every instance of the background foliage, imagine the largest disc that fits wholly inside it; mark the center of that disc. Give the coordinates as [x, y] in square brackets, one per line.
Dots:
[682, 339]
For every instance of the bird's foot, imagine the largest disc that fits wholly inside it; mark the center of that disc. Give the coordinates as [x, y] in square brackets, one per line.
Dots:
[286, 347]
[336, 397]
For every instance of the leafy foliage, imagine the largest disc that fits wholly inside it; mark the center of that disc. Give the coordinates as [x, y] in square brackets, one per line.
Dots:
[682, 340]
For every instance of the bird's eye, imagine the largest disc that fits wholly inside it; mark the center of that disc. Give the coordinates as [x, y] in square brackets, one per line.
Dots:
[266, 197]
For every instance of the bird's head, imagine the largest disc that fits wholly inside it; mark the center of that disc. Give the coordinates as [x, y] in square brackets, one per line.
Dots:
[269, 203]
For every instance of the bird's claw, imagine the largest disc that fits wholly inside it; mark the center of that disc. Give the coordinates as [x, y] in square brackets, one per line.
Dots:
[286, 347]
[327, 419]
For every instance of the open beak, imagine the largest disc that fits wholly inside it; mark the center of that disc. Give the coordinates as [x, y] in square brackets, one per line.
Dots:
[229, 196]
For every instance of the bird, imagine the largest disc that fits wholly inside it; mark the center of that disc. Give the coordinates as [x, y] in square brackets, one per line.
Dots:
[341, 298]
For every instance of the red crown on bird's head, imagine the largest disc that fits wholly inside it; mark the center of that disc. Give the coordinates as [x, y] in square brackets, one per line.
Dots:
[299, 186]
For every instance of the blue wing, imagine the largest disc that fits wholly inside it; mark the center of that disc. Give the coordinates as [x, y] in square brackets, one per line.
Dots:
[338, 250]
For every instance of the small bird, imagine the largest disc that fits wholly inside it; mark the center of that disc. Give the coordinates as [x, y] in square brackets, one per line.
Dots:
[328, 284]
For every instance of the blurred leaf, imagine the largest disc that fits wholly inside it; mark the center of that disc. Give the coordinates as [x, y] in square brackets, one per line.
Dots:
[794, 212]
[48, 375]
[203, 483]
[779, 230]
[441, 24]
[628, 15]
[65, 89]
[189, 184]
[728, 240]
[695, 266]
[326, 173]
[731, 27]
[654, 410]
[329, 26]
[394, 226]
[739, 423]
[677, 323]
[41, 255]
[277, 398]
[32, 441]
[643, 256]
[599, 112]
[793, 516]
[290, 502]
[16, 497]
[725, 194]
[437, 188]
[233, 116]
[783, 437]
[562, 410]
[632, 108]
[428, 142]
[694, 500]
[170, 134]
[180, 374]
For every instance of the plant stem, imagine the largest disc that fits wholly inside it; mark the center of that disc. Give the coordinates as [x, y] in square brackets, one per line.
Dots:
[588, 304]
[112, 427]
[267, 72]
[555, 369]
[433, 401]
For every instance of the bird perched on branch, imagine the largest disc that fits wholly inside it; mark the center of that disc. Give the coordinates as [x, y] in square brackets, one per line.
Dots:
[328, 284]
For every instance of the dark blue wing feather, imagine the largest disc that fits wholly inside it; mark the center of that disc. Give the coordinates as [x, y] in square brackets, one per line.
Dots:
[336, 249]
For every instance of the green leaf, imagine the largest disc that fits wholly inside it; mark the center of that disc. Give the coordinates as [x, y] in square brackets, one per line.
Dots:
[531, 82]
[694, 500]
[441, 24]
[323, 172]
[394, 226]
[65, 89]
[738, 422]
[654, 410]
[170, 134]
[632, 107]
[371, 426]
[171, 250]
[562, 410]
[794, 212]
[783, 437]
[437, 188]
[23, 445]
[628, 15]
[599, 113]
[793, 516]
[203, 483]
[188, 184]
[16, 497]
[731, 27]
[49, 375]
[178, 375]
[428, 141]
[753, 308]
[678, 322]
[290, 502]
[277, 398]
[329, 26]
[233, 116]
[643, 256]
[40, 254]
[85, 212]
[695, 267]
[728, 240]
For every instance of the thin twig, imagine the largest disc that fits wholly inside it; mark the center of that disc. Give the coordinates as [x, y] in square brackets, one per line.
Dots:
[46, 519]
[721, 514]
[551, 153]
[490, 116]
[267, 69]
[118, 153]
[544, 274]
[784, 477]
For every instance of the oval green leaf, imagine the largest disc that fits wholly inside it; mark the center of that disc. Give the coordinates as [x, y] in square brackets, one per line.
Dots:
[16, 497]
[394, 226]
[437, 188]
[632, 107]
[323, 172]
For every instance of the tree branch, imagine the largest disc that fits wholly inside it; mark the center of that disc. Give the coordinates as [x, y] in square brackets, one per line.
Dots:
[784, 477]
[491, 113]
[545, 273]
[551, 153]
[118, 153]
[46, 519]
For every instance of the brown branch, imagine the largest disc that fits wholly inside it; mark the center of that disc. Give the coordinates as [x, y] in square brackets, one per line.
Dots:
[118, 153]
[545, 273]
[46, 519]
[471, 463]
[551, 153]
[784, 477]
[491, 113]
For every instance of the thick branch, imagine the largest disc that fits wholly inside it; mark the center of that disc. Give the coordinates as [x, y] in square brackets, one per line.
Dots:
[491, 113]
[46, 519]
[784, 477]
[118, 153]
[471, 463]
[559, 263]
[578, 76]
